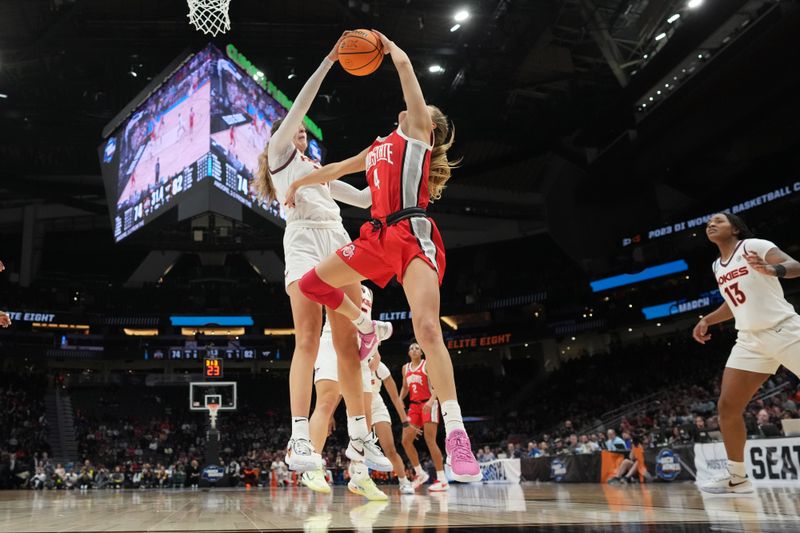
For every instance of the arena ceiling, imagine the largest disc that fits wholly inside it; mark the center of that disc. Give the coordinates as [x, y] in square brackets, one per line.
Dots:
[533, 87]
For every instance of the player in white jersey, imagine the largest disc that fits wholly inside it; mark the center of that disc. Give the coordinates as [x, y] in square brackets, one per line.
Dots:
[747, 272]
[382, 421]
[326, 383]
[313, 231]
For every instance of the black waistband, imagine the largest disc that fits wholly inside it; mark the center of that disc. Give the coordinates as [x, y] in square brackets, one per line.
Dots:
[397, 216]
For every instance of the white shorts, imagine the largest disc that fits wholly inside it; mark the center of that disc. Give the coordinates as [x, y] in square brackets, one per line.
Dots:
[765, 350]
[379, 411]
[325, 366]
[305, 247]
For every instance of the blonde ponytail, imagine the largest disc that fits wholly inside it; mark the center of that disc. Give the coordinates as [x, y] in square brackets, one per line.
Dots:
[264, 186]
[440, 168]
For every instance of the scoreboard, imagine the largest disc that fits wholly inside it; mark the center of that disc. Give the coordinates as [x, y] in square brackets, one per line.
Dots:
[212, 367]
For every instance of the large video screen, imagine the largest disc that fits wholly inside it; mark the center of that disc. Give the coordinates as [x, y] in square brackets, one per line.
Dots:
[208, 120]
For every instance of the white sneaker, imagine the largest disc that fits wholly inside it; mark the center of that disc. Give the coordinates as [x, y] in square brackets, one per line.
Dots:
[406, 488]
[728, 484]
[420, 480]
[368, 452]
[301, 457]
[438, 486]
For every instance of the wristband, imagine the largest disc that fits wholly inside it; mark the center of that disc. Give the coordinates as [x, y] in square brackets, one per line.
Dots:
[780, 270]
[406, 424]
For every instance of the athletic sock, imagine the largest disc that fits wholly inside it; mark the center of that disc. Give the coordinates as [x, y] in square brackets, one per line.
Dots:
[357, 427]
[440, 476]
[418, 469]
[402, 480]
[300, 427]
[358, 470]
[451, 412]
[737, 469]
[364, 323]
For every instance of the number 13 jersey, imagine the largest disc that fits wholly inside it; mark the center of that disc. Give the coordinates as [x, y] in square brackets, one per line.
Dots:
[756, 299]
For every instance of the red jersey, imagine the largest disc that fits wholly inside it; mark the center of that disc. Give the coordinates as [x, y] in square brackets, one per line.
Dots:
[419, 389]
[397, 173]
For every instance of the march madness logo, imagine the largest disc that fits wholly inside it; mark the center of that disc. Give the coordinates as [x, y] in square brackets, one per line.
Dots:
[668, 465]
[349, 250]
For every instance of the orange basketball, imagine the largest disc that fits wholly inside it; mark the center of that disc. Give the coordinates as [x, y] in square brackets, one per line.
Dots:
[361, 52]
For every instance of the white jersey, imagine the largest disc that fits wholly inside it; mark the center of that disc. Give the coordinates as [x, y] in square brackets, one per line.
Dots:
[756, 300]
[315, 206]
[381, 373]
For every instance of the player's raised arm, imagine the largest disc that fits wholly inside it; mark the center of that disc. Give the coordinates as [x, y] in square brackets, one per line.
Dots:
[419, 116]
[281, 141]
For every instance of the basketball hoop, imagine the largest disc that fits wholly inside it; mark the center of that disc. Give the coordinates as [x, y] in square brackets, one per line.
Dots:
[213, 409]
[209, 16]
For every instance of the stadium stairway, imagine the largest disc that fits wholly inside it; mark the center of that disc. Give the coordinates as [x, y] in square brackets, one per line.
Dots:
[61, 427]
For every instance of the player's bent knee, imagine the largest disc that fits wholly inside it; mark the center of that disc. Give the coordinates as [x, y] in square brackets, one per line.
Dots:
[428, 332]
[313, 288]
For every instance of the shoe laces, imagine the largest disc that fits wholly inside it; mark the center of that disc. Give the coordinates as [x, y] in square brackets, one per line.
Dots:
[461, 449]
[371, 444]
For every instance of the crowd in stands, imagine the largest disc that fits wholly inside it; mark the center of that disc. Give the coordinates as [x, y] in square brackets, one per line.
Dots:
[131, 439]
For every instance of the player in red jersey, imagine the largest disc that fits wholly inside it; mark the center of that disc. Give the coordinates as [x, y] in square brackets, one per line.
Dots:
[423, 413]
[405, 171]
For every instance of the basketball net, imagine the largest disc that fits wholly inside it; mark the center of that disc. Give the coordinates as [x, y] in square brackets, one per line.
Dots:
[209, 16]
[213, 409]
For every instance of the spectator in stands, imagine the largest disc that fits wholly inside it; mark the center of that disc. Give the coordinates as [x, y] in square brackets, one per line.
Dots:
[765, 426]
[614, 443]
[117, 478]
[586, 446]
[573, 446]
[533, 450]
[193, 474]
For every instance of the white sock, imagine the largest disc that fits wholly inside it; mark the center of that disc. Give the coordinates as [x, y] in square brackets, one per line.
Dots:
[737, 469]
[451, 412]
[440, 476]
[418, 469]
[358, 470]
[364, 323]
[357, 427]
[402, 480]
[300, 427]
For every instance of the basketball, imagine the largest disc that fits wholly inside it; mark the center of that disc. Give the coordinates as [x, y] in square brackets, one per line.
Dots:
[361, 52]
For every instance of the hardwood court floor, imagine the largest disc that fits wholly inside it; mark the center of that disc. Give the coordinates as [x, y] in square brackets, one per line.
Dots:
[545, 506]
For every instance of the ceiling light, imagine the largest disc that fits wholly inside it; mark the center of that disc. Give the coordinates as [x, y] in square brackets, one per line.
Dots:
[435, 69]
[455, 27]
[674, 17]
[461, 15]
[660, 36]
[3, 95]
[693, 4]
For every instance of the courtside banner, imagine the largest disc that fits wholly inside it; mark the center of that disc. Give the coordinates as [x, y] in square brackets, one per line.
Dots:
[768, 461]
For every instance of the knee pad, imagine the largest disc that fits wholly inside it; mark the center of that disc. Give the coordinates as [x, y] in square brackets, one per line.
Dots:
[318, 291]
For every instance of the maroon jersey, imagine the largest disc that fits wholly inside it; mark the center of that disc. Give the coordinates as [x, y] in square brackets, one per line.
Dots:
[397, 173]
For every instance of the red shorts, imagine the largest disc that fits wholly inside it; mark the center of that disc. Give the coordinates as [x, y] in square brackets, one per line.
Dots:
[379, 255]
[418, 417]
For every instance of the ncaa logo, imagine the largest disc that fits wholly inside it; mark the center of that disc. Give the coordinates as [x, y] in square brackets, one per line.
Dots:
[349, 250]
[668, 465]
[558, 469]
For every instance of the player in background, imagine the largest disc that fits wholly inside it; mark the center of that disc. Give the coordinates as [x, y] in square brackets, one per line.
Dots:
[328, 396]
[314, 230]
[181, 127]
[405, 170]
[191, 122]
[747, 272]
[423, 412]
[382, 421]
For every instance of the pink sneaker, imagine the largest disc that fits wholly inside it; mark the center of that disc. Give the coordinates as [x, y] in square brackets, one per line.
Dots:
[370, 341]
[460, 457]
